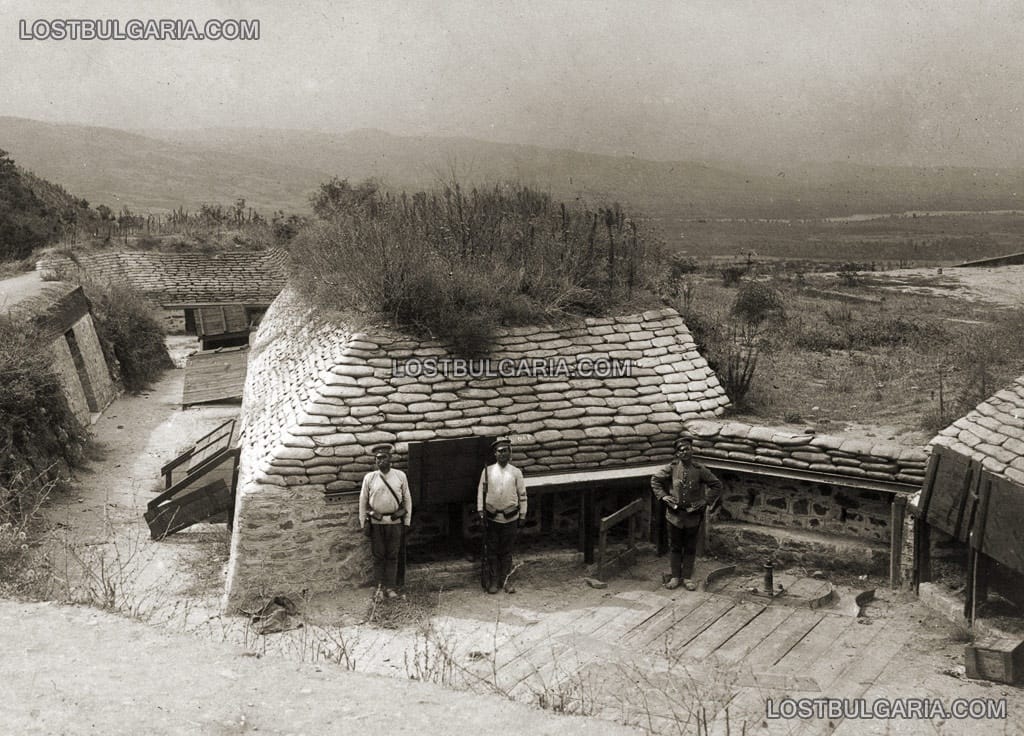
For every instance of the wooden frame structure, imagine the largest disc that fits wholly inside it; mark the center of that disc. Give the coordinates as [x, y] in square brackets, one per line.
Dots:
[956, 497]
[186, 500]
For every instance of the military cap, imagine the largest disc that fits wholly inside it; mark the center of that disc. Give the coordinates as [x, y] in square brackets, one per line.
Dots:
[683, 439]
[382, 449]
[501, 442]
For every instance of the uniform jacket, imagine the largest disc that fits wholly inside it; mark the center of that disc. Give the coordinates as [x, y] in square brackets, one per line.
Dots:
[506, 492]
[374, 496]
[693, 487]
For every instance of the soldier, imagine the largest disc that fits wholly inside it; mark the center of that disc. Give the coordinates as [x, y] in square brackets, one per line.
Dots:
[686, 488]
[386, 506]
[501, 504]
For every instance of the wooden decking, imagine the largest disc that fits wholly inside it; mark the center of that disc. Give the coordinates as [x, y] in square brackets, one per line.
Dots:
[659, 660]
[663, 661]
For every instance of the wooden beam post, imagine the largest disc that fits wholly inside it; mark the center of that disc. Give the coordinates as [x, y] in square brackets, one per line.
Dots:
[897, 517]
[589, 527]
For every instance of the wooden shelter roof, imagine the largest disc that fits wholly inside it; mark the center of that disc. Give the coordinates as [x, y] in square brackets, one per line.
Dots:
[992, 433]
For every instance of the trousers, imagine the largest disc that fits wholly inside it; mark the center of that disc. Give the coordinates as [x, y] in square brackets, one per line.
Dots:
[683, 549]
[385, 543]
[501, 541]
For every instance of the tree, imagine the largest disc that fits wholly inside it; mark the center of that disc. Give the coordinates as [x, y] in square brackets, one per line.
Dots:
[755, 304]
[338, 197]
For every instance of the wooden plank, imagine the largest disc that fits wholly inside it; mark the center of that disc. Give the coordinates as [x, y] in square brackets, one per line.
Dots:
[1003, 539]
[574, 651]
[633, 507]
[815, 644]
[783, 639]
[656, 626]
[687, 618]
[191, 508]
[589, 527]
[526, 671]
[520, 645]
[950, 484]
[756, 676]
[862, 672]
[215, 375]
[720, 631]
[194, 480]
[692, 625]
[212, 446]
[582, 621]
[755, 632]
[843, 650]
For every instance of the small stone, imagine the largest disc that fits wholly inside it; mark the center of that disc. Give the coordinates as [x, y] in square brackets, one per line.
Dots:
[595, 583]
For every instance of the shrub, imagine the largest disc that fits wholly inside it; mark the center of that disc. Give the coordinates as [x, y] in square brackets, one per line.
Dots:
[756, 302]
[131, 336]
[456, 265]
[841, 331]
[37, 427]
[732, 275]
[39, 438]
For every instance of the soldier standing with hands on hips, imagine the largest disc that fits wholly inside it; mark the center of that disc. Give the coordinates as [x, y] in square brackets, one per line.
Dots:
[686, 489]
[501, 504]
[385, 507]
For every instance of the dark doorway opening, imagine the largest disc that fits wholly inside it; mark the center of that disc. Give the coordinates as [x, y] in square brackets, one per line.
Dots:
[80, 369]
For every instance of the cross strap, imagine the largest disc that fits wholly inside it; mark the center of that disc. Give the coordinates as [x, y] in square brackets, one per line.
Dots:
[398, 499]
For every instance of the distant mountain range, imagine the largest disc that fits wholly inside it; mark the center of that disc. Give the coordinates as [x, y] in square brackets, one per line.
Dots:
[280, 170]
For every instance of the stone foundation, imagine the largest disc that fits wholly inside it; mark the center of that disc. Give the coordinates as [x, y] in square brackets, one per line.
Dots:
[810, 550]
[815, 507]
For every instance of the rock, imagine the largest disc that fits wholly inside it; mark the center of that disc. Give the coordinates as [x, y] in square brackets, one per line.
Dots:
[595, 583]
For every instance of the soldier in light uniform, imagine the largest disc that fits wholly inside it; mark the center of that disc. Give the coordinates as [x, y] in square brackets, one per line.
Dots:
[501, 504]
[686, 489]
[386, 506]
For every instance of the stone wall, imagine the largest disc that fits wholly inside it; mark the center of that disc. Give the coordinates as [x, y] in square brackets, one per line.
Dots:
[321, 391]
[184, 278]
[820, 507]
[103, 388]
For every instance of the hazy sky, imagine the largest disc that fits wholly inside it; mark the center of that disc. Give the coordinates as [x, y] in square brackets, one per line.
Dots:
[885, 82]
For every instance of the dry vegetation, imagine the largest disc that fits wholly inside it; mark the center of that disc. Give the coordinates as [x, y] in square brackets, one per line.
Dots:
[41, 441]
[456, 265]
[843, 351]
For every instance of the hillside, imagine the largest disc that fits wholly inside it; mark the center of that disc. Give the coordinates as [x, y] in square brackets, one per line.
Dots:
[122, 169]
[33, 211]
[279, 169]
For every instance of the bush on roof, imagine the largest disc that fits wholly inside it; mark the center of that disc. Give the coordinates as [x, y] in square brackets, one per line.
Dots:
[456, 265]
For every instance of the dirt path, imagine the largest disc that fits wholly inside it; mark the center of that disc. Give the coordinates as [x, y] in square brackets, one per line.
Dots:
[100, 542]
[70, 670]
[1002, 286]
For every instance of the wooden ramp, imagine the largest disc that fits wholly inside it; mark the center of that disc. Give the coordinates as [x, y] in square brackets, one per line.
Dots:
[666, 663]
[215, 375]
[199, 485]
